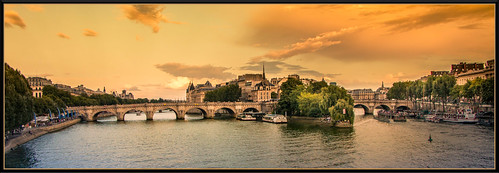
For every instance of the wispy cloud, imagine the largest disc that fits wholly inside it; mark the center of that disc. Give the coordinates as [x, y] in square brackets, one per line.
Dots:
[309, 45]
[62, 35]
[149, 15]
[275, 67]
[471, 26]
[441, 14]
[12, 18]
[89, 32]
[129, 87]
[195, 72]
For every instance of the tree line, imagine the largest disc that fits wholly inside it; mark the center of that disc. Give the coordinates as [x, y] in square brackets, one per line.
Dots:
[315, 100]
[443, 89]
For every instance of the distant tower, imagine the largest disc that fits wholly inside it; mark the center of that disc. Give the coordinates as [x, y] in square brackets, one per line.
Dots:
[263, 71]
[104, 90]
[382, 84]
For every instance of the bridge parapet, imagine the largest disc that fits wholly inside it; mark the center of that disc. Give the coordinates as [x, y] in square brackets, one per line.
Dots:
[90, 113]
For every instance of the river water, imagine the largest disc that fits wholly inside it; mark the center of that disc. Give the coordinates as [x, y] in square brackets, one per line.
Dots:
[229, 143]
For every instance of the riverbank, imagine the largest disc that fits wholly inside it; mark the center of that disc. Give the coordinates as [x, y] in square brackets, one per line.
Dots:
[33, 133]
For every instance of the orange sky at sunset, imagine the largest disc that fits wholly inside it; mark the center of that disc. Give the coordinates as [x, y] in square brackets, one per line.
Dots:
[154, 51]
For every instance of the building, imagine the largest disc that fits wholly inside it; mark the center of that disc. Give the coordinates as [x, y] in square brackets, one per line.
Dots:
[196, 93]
[464, 67]
[380, 93]
[362, 94]
[37, 84]
[464, 72]
[67, 88]
[123, 95]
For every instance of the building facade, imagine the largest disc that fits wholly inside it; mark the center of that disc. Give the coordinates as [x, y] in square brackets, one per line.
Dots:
[37, 84]
[464, 72]
[197, 93]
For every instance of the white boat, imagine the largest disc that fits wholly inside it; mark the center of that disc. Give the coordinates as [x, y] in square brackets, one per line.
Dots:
[462, 116]
[246, 117]
[275, 118]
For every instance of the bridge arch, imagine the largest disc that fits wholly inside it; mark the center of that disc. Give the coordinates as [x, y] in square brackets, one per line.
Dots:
[366, 109]
[384, 107]
[402, 108]
[251, 109]
[161, 109]
[230, 111]
[203, 111]
[96, 114]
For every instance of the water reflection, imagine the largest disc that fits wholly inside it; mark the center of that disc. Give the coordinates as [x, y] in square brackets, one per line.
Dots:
[23, 157]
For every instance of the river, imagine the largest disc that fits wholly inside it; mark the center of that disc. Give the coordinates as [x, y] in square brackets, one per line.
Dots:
[228, 143]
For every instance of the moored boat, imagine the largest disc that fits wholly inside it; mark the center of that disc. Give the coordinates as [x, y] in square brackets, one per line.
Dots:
[275, 118]
[462, 116]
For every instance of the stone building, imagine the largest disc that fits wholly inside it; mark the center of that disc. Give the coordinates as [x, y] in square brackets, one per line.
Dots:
[484, 73]
[196, 93]
[37, 84]
[362, 94]
[123, 95]
[380, 93]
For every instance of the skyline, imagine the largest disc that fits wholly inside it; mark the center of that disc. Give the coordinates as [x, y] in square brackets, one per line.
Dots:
[154, 51]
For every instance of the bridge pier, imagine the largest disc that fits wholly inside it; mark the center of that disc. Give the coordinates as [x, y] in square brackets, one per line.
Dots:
[120, 116]
[149, 115]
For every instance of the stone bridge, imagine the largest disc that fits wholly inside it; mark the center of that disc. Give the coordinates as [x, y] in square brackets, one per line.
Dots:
[208, 109]
[370, 105]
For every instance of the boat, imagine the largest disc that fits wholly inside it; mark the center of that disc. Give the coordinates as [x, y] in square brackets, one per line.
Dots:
[399, 119]
[275, 118]
[462, 116]
[486, 118]
[246, 117]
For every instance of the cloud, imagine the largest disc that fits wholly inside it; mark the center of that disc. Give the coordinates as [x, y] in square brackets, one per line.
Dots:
[129, 87]
[275, 67]
[270, 66]
[471, 26]
[311, 44]
[149, 15]
[35, 8]
[62, 35]
[12, 18]
[177, 83]
[89, 32]
[138, 38]
[440, 15]
[196, 72]
[317, 74]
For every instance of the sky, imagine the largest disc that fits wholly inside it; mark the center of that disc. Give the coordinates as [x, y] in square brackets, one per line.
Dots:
[155, 50]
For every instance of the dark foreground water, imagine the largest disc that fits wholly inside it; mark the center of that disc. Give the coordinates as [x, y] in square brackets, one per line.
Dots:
[241, 144]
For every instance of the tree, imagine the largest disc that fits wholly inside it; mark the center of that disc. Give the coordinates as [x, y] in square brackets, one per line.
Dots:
[229, 93]
[308, 104]
[315, 87]
[488, 91]
[290, 90]
[442, 88]
[274, 95]
[330, 96]
[398, 91]
[337, 113]
[19, 103]
[428, 89]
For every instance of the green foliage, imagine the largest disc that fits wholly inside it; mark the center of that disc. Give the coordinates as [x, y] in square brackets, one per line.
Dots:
[336, 111]
[290, 90]
[443, 86]
[274, 95]
[18, 99]
[309, 104]
[398, 91]
[316, 87]
[313, 101]
[229, 93]
[488, 91]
